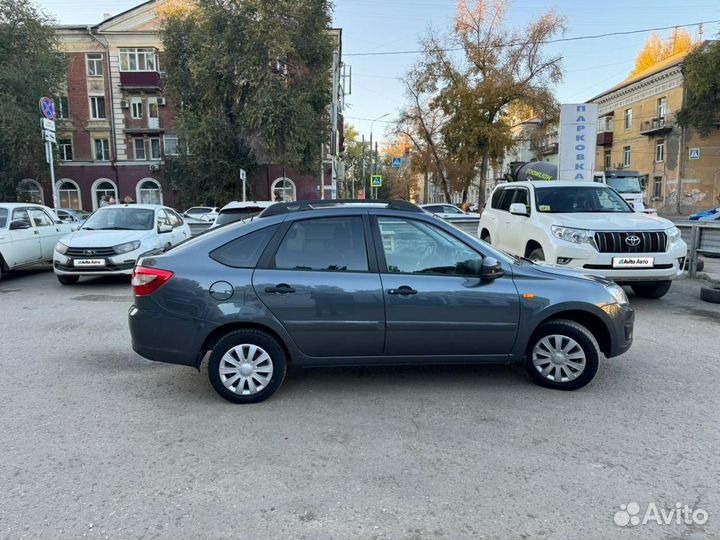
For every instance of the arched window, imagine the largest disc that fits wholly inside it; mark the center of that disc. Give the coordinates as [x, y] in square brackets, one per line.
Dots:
[283, 190]
[100, 188]
[69, 194]
[30, 191]
[149, 192]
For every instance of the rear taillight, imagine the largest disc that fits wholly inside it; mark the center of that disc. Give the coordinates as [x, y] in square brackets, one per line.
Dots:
[146, 281]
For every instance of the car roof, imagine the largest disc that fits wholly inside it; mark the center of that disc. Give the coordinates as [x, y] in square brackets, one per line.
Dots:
[552, 183]
[133, 205]
[22, 204]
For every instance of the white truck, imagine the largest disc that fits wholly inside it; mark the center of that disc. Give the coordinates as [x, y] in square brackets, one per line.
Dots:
[627, 184]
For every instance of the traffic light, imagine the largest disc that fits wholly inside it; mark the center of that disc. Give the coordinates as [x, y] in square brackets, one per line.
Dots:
[407, 149]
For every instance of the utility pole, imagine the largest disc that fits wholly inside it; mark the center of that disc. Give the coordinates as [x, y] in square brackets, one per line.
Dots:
[372, 157]
[362, 167]
[334, 139]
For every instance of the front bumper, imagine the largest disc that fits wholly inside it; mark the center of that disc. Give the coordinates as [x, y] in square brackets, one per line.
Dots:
[117, 265]
[621, 327]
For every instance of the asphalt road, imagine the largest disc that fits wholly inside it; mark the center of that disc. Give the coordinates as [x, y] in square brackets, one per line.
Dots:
[99, 443]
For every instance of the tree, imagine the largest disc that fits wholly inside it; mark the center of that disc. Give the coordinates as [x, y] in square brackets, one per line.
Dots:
[701, 70]
[253, 82]
[497, 68]
[30, 67]
[656, 50]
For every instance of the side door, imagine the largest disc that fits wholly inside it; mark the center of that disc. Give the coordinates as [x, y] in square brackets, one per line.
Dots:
[517, 226]
[165, 238]
[24, 245]
[179, 232]
[319, 278]
[48, 230]
[490, 218]
[505, 233]
[433, 305]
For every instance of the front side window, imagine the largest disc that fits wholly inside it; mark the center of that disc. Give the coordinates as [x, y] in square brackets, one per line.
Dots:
[121, 218]
[40, 218]
[138, 59]
[626, 156]
[628, 118]
[102, 149]
[97, 107]
[94, 64]
[569, 200]
[416, 247]
[66, 150]
[244, 252]
[332, 244]
[660, 151]
[3, 217]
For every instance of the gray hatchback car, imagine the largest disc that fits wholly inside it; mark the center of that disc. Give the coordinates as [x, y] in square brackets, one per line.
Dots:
[337, 283]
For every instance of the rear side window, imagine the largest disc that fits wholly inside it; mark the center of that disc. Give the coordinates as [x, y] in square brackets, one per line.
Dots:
[244, 252]
[3, 217]
[332, 244]
[21, 214]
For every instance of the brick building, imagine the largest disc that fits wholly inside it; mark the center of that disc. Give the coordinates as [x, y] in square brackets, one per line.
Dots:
[115, 125]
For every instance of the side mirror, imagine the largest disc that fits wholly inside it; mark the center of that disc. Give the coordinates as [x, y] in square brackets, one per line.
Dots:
[518, 209]
[491, 269]
[162, 228]
[16, 225]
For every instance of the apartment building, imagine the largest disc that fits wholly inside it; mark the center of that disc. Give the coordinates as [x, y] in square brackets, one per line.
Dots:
[637, 131]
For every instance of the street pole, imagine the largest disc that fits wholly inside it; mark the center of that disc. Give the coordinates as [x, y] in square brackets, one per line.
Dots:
[363, 168]
[375, 171]
[372, 157]
[322, 171]
[372, 167]
[49, 150]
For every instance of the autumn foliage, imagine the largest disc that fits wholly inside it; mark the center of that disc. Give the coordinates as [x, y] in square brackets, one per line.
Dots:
[656, 49]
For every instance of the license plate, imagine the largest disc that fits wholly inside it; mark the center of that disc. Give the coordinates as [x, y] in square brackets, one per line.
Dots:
[633, 262]
[89, 262]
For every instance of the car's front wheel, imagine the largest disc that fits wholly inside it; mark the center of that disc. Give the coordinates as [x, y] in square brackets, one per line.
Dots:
[247, 366]
[537, 255]
[562, 354]
[68, 280]
[651, 290]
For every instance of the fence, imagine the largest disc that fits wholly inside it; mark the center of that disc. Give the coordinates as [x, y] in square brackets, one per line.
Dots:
[469, 226]
[701, 238]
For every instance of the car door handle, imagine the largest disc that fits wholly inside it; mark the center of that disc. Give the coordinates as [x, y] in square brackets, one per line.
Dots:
[36, 232]
[281, 288]
[402, 291]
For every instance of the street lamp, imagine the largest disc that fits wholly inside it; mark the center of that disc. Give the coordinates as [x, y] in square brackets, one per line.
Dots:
[372, 154]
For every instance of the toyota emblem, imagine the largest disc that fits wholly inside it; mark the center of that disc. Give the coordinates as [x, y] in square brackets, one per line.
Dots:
[88, 252]
[633, 240]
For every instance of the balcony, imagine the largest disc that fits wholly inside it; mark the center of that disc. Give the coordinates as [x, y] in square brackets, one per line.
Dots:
[140, 80]
[549, 148]
[658, 125]
[604, 138]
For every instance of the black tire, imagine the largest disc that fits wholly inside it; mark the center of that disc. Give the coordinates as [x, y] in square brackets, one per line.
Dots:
[651, 290]
[486, 237]
[710, 294]
[582, 336]
[68, 280]
[269, 344]
[537, 255]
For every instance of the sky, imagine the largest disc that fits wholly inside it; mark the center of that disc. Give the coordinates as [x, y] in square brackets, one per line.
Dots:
[590, 66]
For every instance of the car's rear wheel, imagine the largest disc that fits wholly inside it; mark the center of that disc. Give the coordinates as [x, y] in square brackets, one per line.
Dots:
[562, 354]
[651, 290]
[537, 255]
[247, 366]
[68, 280]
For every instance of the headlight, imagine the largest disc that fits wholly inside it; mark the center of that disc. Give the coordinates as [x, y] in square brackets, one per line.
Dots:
[61, 248]
[617, 292]
[576, 236]
[129, 246]
[673, 234]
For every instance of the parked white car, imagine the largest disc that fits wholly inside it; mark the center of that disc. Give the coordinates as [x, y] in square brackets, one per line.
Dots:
[588, 227]
[112, 239]
[203, 213]
[239, 210]
[445, 211]
[28, 234]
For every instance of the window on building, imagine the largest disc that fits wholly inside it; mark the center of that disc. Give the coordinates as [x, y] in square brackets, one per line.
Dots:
[626, 156]
[30, 191]
[138, 59]
[62, 108]
[149, 192]
[100, 189]
[628, 119]
[139, 149]
[102, 149]
[605, 123]
[660, 151]
[155, 148]
[69, 195]
[95, 64]
[283, 189]
[97, 107]
[136, 108]
[66, 149]
[657, 187]
[661, 107]
[608, 159]
[171, 145]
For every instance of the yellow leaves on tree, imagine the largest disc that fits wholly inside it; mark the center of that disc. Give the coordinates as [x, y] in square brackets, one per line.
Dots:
[656, 49]
[174, 8]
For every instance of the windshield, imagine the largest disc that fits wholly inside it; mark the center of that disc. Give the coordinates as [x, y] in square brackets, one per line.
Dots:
[236, 214]
[121, 219]
[625, 184]
[572, 199]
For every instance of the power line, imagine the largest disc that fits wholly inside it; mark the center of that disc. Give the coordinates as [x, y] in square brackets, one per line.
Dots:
[547, 42]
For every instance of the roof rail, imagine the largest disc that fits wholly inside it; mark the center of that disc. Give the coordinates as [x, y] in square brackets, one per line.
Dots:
[301, 206]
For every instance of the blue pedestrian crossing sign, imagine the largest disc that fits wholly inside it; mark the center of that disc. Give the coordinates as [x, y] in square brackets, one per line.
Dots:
[694, 153]
[376, 180]
[397, 162]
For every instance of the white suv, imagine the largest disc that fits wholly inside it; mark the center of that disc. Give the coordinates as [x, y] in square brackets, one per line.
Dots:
[587, 227]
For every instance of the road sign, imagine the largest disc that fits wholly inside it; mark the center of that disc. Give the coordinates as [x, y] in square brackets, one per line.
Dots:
[397, 162]
[49, 136]
[47, 125]
[694, 153]
[47, 108]
[376, 180]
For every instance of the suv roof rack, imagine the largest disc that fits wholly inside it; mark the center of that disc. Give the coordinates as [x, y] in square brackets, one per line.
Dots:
[301, 206]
